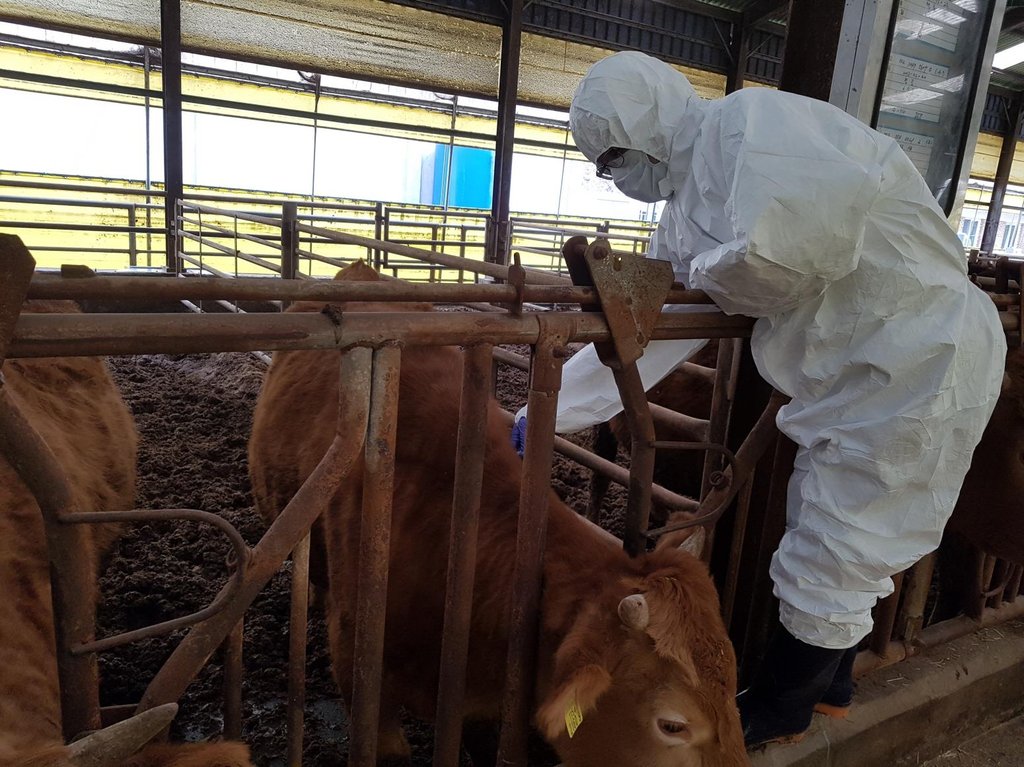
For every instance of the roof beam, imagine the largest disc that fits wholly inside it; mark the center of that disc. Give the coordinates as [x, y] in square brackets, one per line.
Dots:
[703, 9]
[759, 10]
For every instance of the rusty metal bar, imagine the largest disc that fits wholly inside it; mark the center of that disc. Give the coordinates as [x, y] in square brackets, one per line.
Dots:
[997, 583]
[984, 566]
[741, 521]
[620, 475]
[885, 618]
[374, 550]
[49, 335]
[285, 532]
[71, 574]
[545, 382]
[916, 585]
[462, 551]
[936, 635]
[717, 431]
[1013, 583]
[238, 546]
[753, 447]
[266, 289]
[536, 276]
[297, 622]
[233, 676]
[641, 462]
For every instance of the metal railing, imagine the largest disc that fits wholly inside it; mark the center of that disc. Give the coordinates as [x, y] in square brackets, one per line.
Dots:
[369, 354]
[120, 226]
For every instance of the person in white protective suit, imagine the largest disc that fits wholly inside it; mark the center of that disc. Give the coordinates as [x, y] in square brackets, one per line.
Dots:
[789, 210]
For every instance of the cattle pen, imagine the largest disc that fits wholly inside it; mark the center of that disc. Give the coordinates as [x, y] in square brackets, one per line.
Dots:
[747, 461]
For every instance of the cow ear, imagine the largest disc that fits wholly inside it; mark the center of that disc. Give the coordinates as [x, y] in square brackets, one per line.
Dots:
[572, 698]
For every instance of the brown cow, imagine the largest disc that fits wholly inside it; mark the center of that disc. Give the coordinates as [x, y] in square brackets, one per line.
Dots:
[989, 512]
[637, 644]
[75, 406]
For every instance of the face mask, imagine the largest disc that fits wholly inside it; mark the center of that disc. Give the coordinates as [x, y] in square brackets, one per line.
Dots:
[641, 179]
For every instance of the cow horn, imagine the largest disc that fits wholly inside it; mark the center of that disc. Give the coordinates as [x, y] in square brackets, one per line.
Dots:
[112, 745]
[634, 612]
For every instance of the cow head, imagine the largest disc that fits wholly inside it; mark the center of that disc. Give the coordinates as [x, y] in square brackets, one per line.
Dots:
[647, 675]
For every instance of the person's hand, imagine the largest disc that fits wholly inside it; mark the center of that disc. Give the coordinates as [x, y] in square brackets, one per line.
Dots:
[519, 435]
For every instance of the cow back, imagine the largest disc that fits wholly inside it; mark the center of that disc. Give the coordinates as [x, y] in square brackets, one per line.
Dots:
[76, 408]
[988, 513]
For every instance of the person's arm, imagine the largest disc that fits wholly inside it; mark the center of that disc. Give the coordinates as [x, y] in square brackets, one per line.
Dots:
[798, 207]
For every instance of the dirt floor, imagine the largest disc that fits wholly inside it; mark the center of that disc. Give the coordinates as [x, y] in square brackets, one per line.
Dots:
[194, 415]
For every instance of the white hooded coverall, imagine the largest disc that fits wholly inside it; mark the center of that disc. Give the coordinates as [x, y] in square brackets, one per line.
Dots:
[789, 210]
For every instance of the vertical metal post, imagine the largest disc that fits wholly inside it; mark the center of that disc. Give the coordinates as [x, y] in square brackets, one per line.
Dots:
[233, 682]
[726, 369]
[637, 413]
[508, 86]
[170, 71]
[297, 622]
[378, 232]
[916, 585]
[149, 151]
[375, 548]
[476, 390]
[739, 49]
[545, 381]
[1003, 168]
[289, 241]
[885, 619]
[133, 251]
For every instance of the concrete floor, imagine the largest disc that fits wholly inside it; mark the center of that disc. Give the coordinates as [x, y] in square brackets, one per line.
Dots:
[928, 710]
[1002, 746]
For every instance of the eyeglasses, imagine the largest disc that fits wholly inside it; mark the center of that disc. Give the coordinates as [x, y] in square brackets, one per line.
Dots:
[611, 158]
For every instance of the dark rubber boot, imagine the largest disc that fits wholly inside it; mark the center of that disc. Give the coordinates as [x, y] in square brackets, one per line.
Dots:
[778, 706]
[839, 696]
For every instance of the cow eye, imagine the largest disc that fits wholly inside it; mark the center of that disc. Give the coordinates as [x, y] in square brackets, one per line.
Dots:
[674, 728]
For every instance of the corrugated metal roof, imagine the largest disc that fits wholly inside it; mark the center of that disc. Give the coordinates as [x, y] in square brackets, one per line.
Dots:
[687, 32]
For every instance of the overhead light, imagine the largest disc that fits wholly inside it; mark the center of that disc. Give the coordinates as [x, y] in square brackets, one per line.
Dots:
[1009, 58]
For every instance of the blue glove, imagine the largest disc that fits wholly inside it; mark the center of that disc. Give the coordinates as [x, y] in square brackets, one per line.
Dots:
[519, 436]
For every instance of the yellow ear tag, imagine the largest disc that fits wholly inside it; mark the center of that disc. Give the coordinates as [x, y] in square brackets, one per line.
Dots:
[573, 717]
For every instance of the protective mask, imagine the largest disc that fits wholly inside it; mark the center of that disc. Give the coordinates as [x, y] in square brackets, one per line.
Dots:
[641, 179]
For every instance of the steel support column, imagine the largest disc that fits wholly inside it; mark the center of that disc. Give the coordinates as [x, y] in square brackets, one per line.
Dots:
[739, 49]
[1006, 153]
[812, 39]
[170, 76]
[508, 89]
